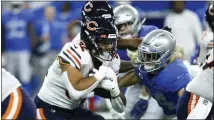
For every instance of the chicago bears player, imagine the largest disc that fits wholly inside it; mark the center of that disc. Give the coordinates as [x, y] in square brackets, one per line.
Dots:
[68, 81]
[207, 67]
[159, 69]
[16, 102]
[127, 20]
[203, 107]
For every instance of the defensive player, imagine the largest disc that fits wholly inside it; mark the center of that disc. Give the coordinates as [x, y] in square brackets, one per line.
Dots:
[130, 27]
[68, 82]
[160, 70]
[16, 103]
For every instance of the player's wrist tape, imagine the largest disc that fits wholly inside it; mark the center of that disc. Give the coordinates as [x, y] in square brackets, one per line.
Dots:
[115, 92]
[144, 97]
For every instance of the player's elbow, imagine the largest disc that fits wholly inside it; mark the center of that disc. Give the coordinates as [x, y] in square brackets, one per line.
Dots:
[75, 96]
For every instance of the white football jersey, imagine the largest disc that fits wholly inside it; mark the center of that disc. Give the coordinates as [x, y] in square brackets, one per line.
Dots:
[202, 84]
[9, 84]
[205, 45]
[53, 90]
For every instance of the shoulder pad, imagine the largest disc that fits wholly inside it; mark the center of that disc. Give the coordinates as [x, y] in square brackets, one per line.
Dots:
[75, 54]
[173, 77]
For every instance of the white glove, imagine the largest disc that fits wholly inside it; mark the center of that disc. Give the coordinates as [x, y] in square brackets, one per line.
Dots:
[111, 74]
[110, 85]
[101, 73]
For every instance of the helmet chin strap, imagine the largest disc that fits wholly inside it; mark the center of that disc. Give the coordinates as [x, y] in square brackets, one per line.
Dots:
[127, 36]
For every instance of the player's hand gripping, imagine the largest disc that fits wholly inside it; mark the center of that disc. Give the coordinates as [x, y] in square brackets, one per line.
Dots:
[108, 80]
[100, 74]
[139, 108]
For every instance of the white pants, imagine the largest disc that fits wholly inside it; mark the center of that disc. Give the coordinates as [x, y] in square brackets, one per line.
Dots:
[154, 111]
[17, 63]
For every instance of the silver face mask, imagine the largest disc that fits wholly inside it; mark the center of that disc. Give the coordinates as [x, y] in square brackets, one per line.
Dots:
[127, 21]
[155, 50]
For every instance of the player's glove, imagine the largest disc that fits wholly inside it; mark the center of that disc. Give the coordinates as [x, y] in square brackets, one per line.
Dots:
[139, 108]
[110, 85]
[101, 73]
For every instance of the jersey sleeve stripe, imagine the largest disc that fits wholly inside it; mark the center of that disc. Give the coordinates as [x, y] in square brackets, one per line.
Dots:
[78, 67]
[75, 52]
[73, 56]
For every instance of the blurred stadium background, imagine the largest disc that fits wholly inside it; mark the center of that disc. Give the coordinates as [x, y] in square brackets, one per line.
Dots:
[54, 23]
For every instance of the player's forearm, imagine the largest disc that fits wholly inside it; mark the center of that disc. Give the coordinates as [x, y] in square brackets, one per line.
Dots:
[131, 44]
[128, 80]
[144, 92]
[119, 103]
[85, 83]
[125, 66]
[72, 88]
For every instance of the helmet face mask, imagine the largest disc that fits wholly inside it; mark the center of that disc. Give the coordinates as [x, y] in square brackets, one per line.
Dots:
[155, 50]
[127, 20]
[125, 30]
[150, 61]
[106, 49]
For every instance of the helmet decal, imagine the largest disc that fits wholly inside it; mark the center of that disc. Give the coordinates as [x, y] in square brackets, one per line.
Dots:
[92, 23]
[90, 6]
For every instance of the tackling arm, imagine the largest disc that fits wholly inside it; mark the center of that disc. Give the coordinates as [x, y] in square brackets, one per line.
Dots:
[125, 66]
[131, 44]
[129, 79]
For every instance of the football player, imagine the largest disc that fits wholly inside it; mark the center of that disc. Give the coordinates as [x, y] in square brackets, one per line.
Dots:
[68, 81]
[16, 103]
[131, 29]
[19, 37]
[96, 9]
[203, 106]
[161, 70]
